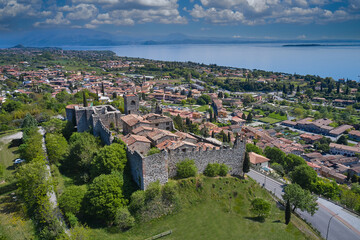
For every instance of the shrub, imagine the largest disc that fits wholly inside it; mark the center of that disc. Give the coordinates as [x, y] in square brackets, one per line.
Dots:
[186, 169]
[212, 170]
[123, 219]
[152, 151]
[260, 207]
[169, 192]
[2, 170]
[71, 219]
[152, 191]
[137, 201]
[223, 169]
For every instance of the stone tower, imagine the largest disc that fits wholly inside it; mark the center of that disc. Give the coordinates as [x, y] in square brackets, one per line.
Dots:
[131, 102]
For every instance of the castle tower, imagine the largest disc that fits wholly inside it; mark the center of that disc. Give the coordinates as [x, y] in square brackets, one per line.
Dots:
[131, 102]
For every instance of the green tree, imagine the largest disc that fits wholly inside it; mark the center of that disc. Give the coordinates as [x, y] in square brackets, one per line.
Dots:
[70, 201]
[85, 104]
[212, 170]
[326, 188]
[253, 148]
[57, 148]
[291, 161]
[2, 170]
[303, 175]
[109, 158]
[29, 121]
[249, 118]
[246, 163]
[55, 125]
[275, 155]
[178, 123]
[300, 198]
[83, 146]
[105, 196]
[223, 170]
[186, 168]
[342, 140]
[287, 212]
[260, 207]
[31, 149]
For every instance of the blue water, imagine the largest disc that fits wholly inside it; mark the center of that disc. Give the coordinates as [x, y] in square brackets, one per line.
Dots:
[325, 61]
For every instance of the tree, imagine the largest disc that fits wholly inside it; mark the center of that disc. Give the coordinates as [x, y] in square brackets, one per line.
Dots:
[83, 146]
[275, 155]
[246, 163]
[105, 196]
[303, 175]
[287, 212]
[253, 148]
[212, 170]
[29, 121]
[342, 140]
[109, 158]
[291, 161]
[186, 168]
[249, 118]
[55, 125]
[102, 88]
[57, 148]
[300, 198]
[260, 207]
[85, 104]
[70, 201]
[32, 149]
[178, 123]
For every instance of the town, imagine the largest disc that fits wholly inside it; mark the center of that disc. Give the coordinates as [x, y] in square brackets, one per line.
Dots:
[292, 128]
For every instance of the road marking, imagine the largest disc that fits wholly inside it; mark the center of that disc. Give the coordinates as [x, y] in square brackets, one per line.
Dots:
[340, 219]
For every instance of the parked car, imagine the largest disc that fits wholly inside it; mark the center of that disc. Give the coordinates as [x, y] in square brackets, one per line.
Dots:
[19, 160]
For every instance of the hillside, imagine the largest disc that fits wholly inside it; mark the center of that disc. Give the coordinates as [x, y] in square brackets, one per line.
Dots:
[214, 208]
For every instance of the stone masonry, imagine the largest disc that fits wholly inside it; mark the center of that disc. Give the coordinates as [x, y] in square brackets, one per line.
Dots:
[160, 167]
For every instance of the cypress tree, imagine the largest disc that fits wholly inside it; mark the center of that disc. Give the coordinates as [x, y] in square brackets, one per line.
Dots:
[249, 118]
[246, 164]
[287, 212]
[298, 89]
[102, 89]
[84, 100]
[213, 134]
[229, 137]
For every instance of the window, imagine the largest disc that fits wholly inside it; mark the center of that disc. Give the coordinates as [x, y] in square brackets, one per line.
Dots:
[157, 125]
[132, 103]
[167, 123]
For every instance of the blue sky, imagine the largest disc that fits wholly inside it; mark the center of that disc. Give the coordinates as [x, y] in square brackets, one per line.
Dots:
[245, 19]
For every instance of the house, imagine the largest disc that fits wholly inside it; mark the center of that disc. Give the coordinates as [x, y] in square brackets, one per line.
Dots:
[343, 149]
[258, 160]
[310, 138]
[355, 135]
[331, 173]
[339, 130]
[138, 143]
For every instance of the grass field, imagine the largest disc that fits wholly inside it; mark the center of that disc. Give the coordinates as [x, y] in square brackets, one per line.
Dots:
[219, 211]
[202, 108]
[13, 221]
[269, 120]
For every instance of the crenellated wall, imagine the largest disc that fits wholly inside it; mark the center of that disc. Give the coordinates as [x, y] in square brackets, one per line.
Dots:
[105, 134]
[162, 166]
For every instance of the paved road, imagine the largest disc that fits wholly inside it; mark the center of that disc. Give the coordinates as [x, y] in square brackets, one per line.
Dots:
[344, 226]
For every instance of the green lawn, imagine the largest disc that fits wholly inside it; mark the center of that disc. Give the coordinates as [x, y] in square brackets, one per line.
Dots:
[278, 116]
[210, 213]
[13, 221]
[202, 108]
[269, 120]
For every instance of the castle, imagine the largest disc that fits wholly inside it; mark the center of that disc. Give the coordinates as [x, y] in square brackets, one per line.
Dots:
[153, 130]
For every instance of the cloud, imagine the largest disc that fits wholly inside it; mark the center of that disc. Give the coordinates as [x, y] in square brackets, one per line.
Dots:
[57, 20]
[82, 12]
[252, 12]
[12, 8]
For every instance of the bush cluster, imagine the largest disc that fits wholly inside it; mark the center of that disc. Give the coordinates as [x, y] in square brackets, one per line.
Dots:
[186, 169]
[216, 169]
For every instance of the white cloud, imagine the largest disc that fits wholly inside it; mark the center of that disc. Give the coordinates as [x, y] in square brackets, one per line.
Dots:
[12, 8]
[82, 12]
[57, 20]
[252, 12]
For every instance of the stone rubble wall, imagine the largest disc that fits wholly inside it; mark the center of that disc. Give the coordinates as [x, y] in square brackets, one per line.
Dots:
[162, 166]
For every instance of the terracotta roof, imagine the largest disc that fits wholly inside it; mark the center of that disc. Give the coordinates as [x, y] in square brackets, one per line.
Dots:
[339, 130]
[256, 158]
[131, 139]
[345, 147]
[131, 119]
[355, 133]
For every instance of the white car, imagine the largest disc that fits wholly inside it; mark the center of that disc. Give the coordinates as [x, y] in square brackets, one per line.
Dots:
[19, 160]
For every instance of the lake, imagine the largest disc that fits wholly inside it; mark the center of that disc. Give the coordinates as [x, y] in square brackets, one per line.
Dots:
[325, 61]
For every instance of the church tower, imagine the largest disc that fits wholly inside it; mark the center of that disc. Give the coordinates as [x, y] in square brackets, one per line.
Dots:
[131, 102]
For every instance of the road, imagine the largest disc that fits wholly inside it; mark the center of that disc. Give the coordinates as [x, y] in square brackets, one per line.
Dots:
[344, 226]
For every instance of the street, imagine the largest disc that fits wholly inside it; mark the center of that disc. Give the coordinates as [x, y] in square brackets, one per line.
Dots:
[345, 225]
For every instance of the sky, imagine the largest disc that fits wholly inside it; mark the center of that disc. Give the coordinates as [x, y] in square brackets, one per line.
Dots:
[238, 19]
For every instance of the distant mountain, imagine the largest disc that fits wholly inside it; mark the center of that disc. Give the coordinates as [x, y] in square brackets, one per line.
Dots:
[89, 37]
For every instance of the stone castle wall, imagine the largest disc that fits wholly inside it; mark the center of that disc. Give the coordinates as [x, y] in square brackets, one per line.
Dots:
[105, 134]
[162, 166]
